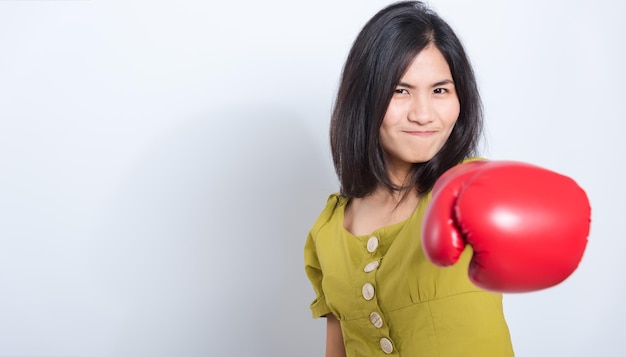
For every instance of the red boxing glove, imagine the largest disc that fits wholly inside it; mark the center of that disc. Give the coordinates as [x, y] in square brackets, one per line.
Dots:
[528, 226]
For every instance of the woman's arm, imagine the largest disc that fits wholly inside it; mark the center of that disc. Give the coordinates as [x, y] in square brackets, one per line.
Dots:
[334, 338]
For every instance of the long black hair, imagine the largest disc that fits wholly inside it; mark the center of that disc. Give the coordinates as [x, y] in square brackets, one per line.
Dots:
[379, 56]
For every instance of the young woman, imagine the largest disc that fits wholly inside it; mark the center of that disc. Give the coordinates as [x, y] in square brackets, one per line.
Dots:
[407, 110]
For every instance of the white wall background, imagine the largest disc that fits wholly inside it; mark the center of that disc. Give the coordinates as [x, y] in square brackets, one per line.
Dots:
[162, 161]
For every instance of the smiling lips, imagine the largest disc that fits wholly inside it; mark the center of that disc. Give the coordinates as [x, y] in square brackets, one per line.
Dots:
[421, 132]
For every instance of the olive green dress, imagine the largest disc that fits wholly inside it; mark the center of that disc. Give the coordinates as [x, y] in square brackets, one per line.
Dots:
[389, 298]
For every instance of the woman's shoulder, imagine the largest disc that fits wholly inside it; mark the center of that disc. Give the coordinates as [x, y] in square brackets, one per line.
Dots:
[474, 158]
[334, 201]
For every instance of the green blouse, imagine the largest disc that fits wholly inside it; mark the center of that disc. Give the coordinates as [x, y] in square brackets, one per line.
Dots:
[391, 300]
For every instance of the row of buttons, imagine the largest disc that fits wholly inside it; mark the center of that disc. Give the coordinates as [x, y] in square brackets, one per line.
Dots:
[368, 293]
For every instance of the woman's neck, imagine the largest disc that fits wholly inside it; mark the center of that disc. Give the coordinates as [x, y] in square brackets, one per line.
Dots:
[385, 197]
[399, 175]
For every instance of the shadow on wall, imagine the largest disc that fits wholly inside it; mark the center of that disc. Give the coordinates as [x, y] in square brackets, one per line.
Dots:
[199, 252]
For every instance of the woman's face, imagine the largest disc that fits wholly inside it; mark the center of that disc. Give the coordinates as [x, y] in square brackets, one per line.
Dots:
[422, 111]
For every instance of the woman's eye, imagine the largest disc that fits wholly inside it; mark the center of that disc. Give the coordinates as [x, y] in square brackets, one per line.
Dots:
[440, 90]
[401, 91]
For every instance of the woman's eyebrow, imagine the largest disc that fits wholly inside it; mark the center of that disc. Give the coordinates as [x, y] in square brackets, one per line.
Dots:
[443, 83]
[404, 84]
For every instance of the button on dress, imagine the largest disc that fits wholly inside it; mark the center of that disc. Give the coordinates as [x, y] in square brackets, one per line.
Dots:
[391, 300]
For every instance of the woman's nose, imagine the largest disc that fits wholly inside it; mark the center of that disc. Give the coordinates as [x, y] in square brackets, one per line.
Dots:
[421, 110]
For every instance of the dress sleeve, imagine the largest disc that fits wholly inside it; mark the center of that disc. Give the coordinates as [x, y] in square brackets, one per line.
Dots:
[312, 264]
[314, 272]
